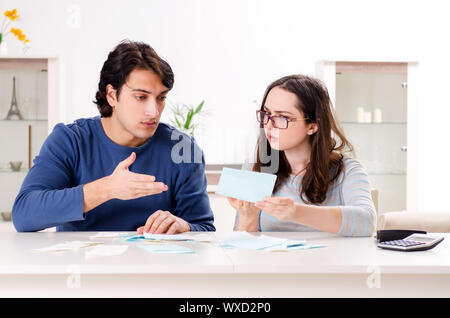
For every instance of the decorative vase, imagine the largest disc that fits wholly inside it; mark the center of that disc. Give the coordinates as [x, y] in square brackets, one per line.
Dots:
[3, 48]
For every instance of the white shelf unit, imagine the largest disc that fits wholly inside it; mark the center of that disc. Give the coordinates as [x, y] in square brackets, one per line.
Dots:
[39, 96]
[386, 146]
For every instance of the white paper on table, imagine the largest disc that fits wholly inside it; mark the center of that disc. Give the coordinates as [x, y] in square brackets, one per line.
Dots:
[244, 240]
[66, 246]
[101, 235]
[106, 250]
[79, 244]
[294, 248]
[201, 237]
[54, 248]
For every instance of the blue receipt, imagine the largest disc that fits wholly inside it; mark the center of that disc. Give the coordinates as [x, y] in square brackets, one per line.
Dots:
[246, 185]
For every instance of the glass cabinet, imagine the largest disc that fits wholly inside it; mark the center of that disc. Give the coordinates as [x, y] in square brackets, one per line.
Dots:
[29, 107]
[371, 101]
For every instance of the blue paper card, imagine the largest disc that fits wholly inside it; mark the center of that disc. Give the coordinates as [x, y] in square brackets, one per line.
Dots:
[246, 185]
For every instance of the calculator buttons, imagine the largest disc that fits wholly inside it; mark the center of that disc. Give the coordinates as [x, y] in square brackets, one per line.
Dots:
[409, 244]
[402, 243]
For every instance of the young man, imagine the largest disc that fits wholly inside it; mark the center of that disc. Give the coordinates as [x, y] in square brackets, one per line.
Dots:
[115, 171]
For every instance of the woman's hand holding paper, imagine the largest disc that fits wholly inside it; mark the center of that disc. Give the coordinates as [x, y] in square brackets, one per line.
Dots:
[248, 214]
[284, 209]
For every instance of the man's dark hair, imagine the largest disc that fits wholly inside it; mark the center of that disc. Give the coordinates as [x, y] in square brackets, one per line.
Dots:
[126, 57]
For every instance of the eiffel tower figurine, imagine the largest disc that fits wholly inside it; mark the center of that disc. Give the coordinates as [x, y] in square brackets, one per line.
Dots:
[14, 112]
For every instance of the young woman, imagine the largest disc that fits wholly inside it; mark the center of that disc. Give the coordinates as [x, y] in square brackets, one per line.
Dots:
[317, 187]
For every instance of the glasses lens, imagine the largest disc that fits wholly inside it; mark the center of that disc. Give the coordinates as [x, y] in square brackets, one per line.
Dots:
[280, 122]
[261, 117]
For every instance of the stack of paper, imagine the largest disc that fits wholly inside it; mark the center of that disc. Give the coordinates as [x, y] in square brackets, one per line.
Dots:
[167, 237]
[188, 236]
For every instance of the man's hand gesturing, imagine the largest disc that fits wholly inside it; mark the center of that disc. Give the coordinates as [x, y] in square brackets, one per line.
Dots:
[126, 185]
[121, 184]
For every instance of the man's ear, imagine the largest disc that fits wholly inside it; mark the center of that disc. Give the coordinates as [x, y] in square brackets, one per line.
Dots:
[111, 95]
[312, 129]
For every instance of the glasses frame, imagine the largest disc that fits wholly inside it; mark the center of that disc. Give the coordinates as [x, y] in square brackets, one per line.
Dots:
[271, 118]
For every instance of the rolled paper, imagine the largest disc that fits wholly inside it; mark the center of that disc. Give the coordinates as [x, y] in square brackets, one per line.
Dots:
[377, 115]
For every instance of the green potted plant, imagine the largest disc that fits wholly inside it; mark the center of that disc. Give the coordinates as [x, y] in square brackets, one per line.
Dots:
[183, 117]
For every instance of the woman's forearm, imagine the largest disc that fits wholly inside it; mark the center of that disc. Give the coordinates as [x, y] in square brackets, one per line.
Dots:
[324, 218]
[247, 223]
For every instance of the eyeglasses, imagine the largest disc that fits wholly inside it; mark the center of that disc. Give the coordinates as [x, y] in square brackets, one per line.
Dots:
[280, 122]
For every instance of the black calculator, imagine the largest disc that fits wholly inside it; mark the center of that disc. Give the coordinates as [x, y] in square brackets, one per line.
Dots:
[414, 242]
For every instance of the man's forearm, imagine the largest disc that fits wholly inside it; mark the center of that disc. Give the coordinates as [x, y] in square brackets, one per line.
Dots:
[95, 193]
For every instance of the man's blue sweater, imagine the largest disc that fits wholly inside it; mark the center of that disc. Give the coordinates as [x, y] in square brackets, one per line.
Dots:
[78, 153]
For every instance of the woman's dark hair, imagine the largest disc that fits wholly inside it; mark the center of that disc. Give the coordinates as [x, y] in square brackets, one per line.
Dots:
[126, 57]
[326, 160]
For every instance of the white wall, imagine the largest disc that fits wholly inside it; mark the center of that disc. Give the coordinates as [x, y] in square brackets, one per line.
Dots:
[227, 52]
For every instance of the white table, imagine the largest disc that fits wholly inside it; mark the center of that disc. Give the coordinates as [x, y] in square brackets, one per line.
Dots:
[347, 267]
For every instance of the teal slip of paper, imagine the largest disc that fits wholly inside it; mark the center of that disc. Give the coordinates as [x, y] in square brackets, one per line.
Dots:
[155, 237]
[167, 249]
[132, 238]
[246, 185]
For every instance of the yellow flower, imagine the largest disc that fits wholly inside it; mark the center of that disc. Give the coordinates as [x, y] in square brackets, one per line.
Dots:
[19, 34]
[12, 14]
[16, 32]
